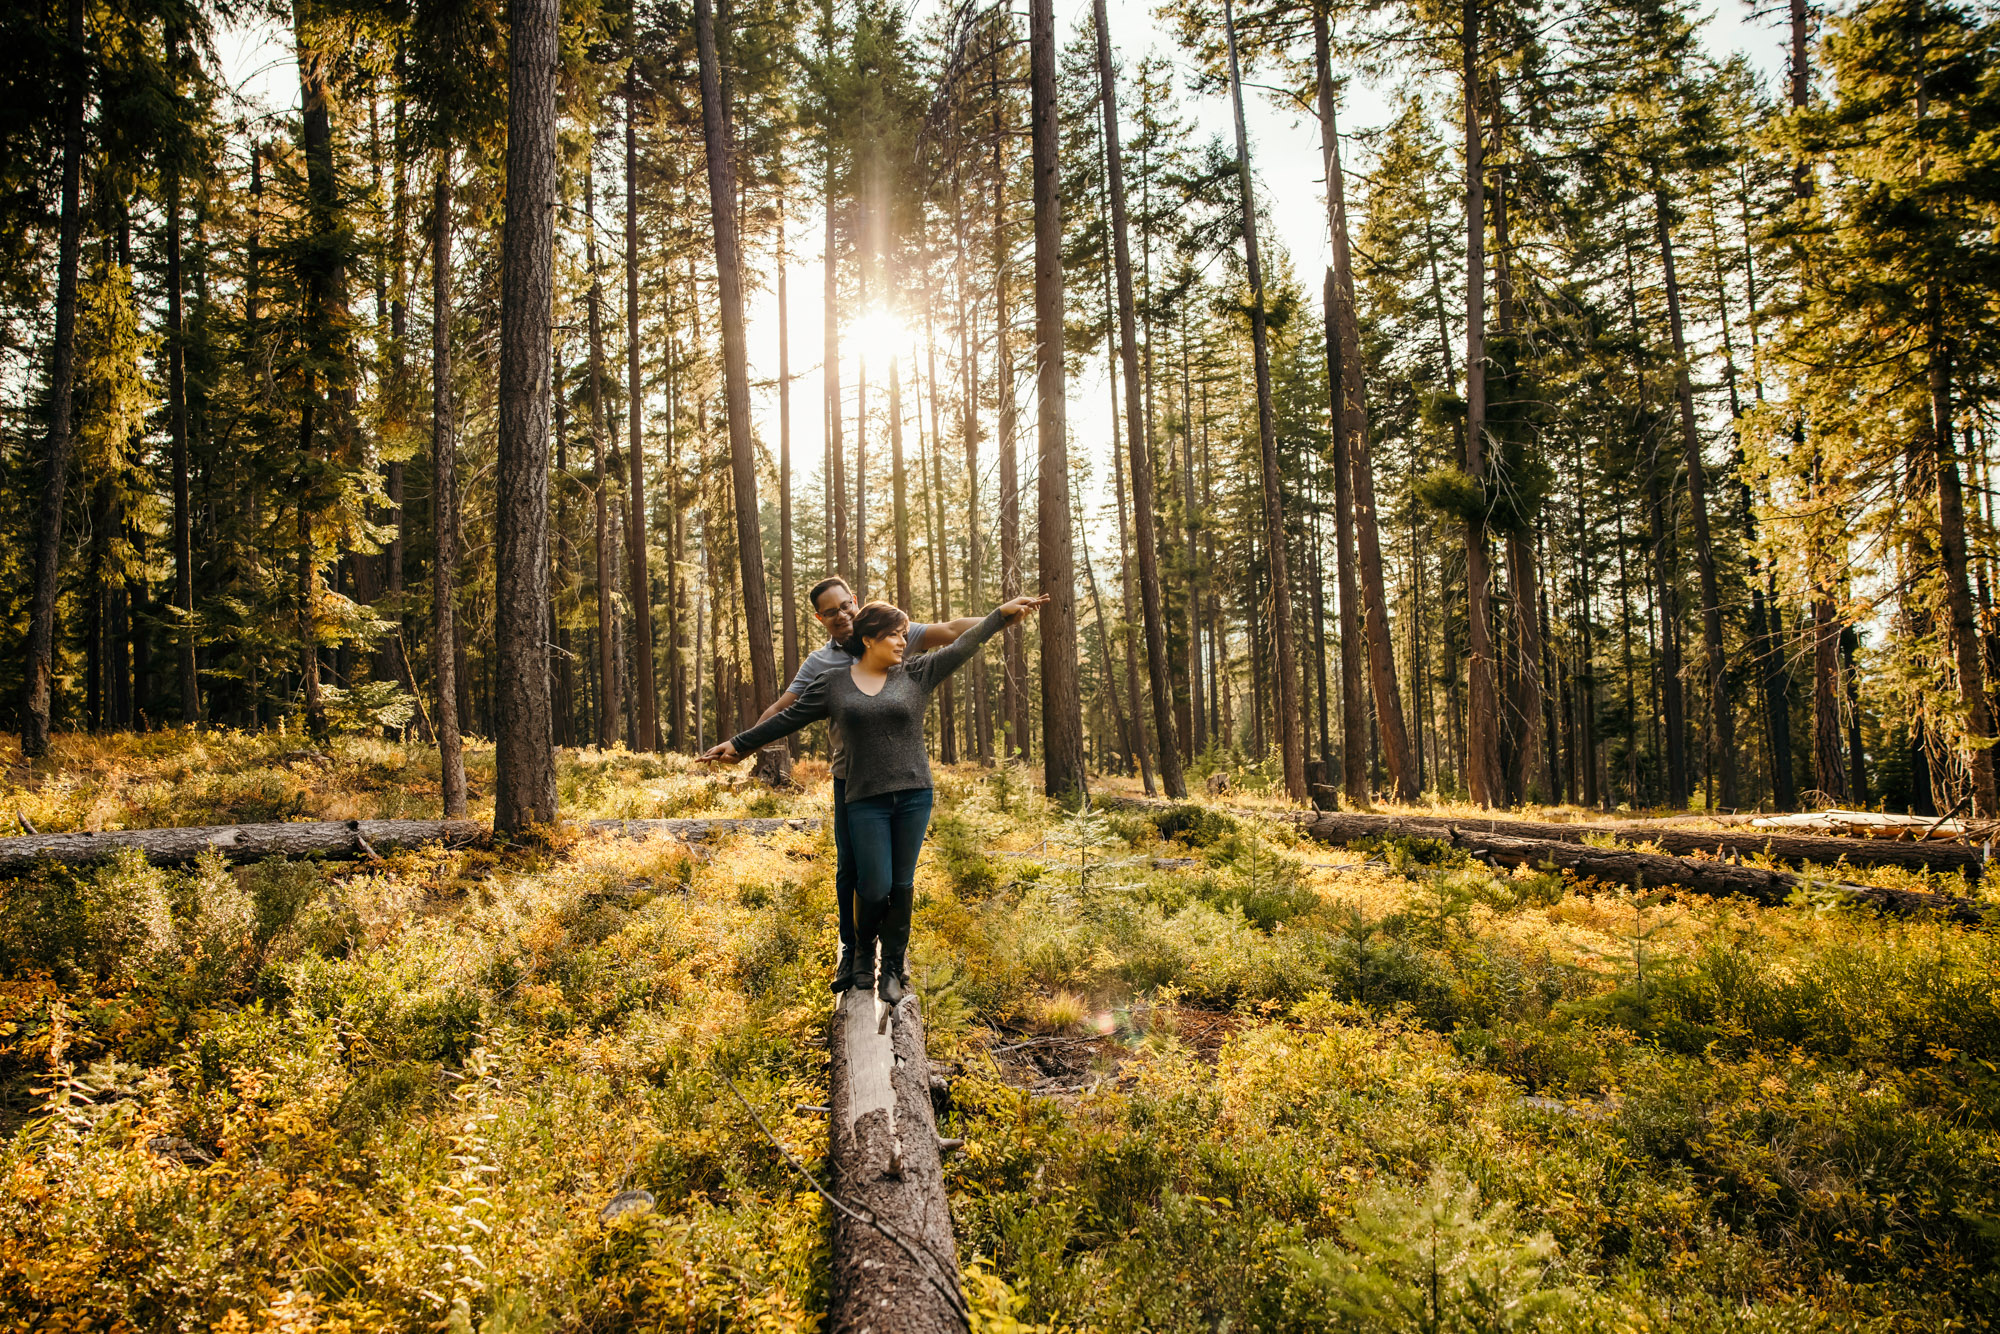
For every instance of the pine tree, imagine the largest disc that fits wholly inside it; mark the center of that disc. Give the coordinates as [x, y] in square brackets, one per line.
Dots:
[525, 780]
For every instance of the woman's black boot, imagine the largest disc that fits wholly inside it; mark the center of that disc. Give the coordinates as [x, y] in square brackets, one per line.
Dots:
[893, 978]
[867, 924]
[843, 974]
[888, 984]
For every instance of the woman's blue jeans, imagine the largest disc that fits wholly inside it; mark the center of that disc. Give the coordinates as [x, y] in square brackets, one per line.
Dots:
[885, 833]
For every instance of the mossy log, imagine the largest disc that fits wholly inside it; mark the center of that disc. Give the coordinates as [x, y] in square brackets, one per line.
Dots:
[895, 1263]
[334, 840]
[1700, 875]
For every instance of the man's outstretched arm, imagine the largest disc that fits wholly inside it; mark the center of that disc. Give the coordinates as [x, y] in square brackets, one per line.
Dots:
[939, 634]
[786, 700]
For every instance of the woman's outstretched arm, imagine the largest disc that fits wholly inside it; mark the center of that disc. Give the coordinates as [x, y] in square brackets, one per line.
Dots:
[810, 708]
[929, 670]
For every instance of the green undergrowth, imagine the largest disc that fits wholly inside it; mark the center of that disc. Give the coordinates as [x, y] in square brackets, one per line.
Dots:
[1379, 1089]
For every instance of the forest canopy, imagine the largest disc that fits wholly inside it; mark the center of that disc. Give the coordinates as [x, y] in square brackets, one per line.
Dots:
[1631, 448]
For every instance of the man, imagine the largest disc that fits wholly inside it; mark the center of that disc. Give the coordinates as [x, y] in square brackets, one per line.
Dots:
[834, 608]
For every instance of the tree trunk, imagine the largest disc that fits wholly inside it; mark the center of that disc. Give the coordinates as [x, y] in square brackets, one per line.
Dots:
[1353, 707]
[444, 501]
[787, 575]
[836, 464]
[1857, 757]
[1145, 507]
[1126, 729]
[525, 776]
[1290, 723]
[1137, 753]
[639, 576]
[978, 722]
[899, 1273]
[1723, 723]
[62, 376]
[736, 371]
[941, 567]
[1201, 735]
[1673, 702]
[676, 553]
[861, 442]
[1952, 554]
[177, 430]
[1533, 775]
[1062, 717]
[565, 679]
[323, 296]
[606, 561]
[1013, 642]
[1351, 428]
[1829, 769]
[898, 483]
[1482, 736]
[1766, 628]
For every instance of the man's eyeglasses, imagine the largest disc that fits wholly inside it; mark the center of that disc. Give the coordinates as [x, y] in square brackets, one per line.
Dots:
[848, 608]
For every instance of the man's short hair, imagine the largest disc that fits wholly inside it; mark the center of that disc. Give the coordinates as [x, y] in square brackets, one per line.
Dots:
[831, 581]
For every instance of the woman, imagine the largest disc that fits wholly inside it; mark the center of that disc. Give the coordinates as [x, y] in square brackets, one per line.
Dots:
[879, 704]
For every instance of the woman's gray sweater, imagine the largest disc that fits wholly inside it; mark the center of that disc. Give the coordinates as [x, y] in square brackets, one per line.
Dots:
[883, 732]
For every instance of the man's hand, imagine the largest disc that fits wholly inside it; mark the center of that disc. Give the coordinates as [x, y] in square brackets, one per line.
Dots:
[1020, 609]
[723, 754]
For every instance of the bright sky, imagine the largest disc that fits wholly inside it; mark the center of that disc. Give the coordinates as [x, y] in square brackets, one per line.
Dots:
[1285, 152]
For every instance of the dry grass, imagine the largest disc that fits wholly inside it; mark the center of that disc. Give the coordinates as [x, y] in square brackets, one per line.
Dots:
[1262, 1076]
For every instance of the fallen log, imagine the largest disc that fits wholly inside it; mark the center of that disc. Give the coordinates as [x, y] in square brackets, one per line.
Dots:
[705, 831]
[332, 840]
[335, 839]
[1646, 870]
[1732, 843]
[895, 1263]
[1869, 824]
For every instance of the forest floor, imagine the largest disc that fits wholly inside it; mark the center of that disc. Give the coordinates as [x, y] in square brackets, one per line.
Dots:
[1283, 1087]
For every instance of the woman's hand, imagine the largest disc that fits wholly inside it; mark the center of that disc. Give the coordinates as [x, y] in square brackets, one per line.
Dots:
[1020, 609]
[722, 754]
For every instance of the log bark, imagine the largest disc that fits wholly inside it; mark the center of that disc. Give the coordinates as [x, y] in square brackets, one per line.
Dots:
[1482, 732]
[774, 765]
[1289, 718]
[638, 568]
[1720, 879]
[62, 377]
[334, 840]
[1734, 842]
[1330, 828]
[1137, 438]
[607, 659]
[1063, 776]
[524, 786]
[444, 500]
[899, 1273]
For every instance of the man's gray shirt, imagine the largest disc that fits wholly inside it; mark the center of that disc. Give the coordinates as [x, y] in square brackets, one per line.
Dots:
[824, 659]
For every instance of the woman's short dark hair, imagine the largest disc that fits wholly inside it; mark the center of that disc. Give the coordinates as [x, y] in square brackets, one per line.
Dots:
[878, 619]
